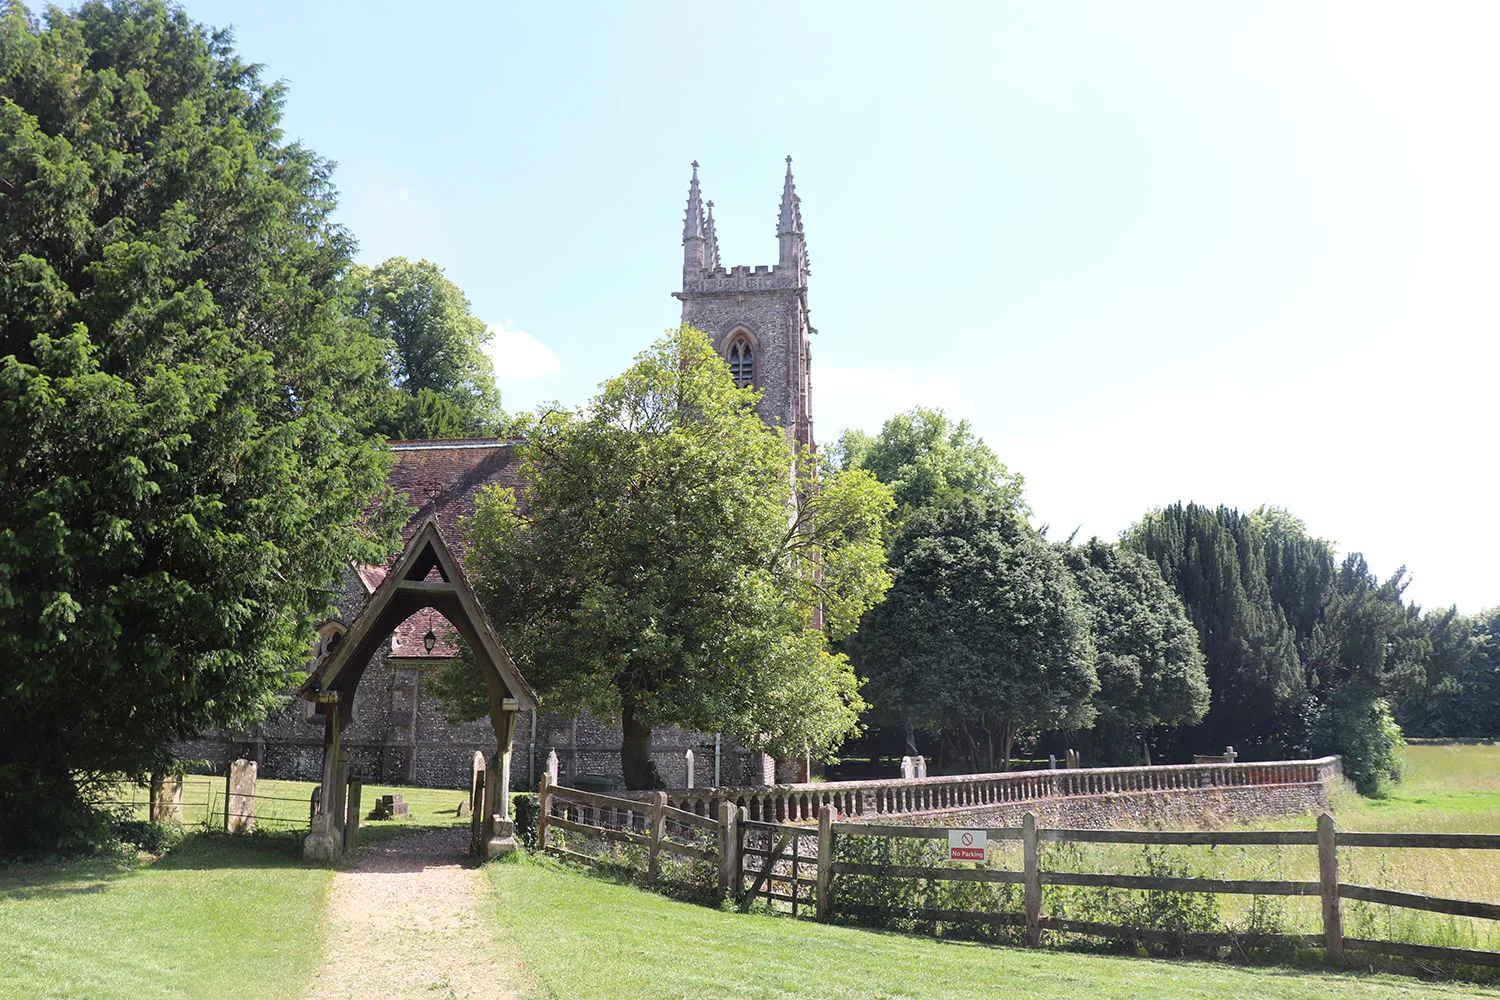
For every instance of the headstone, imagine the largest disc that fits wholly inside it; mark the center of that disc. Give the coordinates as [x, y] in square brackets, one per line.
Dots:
[239, 797]
[1229, 755]
[551, 767]
[314, 804]
[351, 821]
[908, 768]
[463, 808]
[1052, 761]
[166, 798]
[921, 763]
[690, 769]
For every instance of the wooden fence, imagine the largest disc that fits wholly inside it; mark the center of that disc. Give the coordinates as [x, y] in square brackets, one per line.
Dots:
[651, 824]
[1327, 839]
[907, 796]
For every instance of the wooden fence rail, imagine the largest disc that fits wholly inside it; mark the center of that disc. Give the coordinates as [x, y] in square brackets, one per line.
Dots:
[1327, 838]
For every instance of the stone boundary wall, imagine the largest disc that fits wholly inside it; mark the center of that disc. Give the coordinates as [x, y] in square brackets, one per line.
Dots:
[1106, 795]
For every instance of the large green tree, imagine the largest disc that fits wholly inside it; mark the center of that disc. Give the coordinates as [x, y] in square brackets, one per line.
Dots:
[983, 636]
[1215, 559]
[444, 384]
[666, 563]
[181, 396]
[1150, 667]
[927, 459]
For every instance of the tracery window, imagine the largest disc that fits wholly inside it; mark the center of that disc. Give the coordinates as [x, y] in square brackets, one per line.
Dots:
[741, 362]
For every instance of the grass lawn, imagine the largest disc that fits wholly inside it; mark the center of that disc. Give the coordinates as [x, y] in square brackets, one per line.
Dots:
[283, 805]
[583, 937]
[219, 918]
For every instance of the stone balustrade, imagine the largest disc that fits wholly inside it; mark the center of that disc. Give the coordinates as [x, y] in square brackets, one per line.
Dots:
[801, 803]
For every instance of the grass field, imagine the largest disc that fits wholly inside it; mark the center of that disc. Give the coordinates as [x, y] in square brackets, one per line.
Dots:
[221, 918]
[583, 937]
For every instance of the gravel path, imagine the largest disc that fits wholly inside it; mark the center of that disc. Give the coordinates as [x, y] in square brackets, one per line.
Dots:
[407, 920]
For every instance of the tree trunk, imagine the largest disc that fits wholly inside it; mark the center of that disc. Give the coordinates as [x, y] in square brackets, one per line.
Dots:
[635, 751]
[1007, 739]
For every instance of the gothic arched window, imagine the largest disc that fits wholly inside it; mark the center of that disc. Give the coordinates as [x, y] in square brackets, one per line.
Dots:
[741, 362]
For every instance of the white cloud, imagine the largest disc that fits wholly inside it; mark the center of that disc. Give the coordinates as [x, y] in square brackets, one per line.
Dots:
[517, 354]
[865, 398]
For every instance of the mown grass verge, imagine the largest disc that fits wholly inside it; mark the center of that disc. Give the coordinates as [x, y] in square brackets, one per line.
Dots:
[220, 918]
[583, 936]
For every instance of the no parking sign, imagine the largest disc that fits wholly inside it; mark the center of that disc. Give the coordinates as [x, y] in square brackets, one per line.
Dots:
[967, 845]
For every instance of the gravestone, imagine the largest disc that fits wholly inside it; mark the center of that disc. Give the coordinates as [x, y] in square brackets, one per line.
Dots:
[314, 804]
[690, 769]
[463, 808]
[908, 768]
[390, 807]
[921, 766]
[551, 767]
[166, 798]
[239, 797]
[1052, 761]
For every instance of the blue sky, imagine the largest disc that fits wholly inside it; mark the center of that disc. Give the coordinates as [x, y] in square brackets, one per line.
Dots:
[1231, 253]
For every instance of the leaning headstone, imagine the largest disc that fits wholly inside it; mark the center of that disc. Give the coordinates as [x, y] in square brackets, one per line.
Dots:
[166, 798]
[690, 769]
[463, 808]
[551, 767]
[239, 797]
[1052, 761]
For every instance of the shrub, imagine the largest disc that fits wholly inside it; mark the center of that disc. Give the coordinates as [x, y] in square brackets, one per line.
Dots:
[1361, 729]
[525, 807]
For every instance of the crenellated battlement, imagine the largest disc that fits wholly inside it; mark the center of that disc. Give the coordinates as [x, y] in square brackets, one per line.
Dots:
[743, 278]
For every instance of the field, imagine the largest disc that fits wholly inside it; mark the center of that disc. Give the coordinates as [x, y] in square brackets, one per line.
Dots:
[583, 937]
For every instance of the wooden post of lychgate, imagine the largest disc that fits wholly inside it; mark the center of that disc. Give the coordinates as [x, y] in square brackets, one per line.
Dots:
[658, 831]
[825, 859]
[729, 846]
[1033, 875]
[543, 810]
[1328, 876]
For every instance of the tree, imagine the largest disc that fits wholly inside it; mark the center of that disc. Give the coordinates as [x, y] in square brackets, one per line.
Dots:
[181, 392]
[664, 565]
[1150, 667]
[983, 635]
[1300, 571]
[1215, 560]
[927, 459]
[1460, 691]
[444, 382]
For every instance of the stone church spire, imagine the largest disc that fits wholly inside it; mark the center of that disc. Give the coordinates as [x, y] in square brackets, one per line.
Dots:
[694, 244]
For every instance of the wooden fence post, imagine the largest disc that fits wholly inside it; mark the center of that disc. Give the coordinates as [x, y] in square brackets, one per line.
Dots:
[825, 859]
[543, 810]
[1328, 876]
[739, 850]
[1033, 875]
[351, 816]
[658, 831]
[729, 846]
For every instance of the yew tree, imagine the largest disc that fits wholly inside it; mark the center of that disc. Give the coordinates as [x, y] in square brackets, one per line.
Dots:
[671, 561]
[182, 392]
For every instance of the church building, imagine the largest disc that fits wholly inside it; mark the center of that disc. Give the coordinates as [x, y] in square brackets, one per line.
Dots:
[397, 734]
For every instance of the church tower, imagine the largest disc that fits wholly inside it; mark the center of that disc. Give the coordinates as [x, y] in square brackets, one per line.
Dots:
[757, 317]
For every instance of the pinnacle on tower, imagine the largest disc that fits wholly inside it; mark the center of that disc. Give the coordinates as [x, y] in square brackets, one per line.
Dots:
[713, 239]
[790, 222]
[692, 226]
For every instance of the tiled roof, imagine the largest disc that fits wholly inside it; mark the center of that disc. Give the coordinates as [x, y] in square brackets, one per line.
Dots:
[440, 479]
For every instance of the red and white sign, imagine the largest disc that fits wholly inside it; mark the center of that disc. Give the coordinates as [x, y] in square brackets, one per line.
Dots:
[967, 845]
